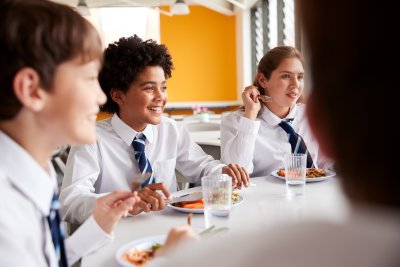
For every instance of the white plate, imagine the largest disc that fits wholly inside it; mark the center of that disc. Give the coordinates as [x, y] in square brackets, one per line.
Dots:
[196, 189]
[329, 174]
[144, 243]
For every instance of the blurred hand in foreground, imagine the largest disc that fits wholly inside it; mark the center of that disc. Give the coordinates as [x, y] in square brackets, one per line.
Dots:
[177, 238]
[111, 208]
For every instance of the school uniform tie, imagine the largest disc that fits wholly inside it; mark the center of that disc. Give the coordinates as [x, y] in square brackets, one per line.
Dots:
[138, 145]
[296, 141]
[57, 234]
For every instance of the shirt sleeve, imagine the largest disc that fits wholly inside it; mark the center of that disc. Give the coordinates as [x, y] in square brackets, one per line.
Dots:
[77, 196]
[192, 161]
[238, 138]
[88, 238]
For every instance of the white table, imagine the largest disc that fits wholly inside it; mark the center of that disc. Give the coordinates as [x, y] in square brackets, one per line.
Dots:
[211, 138]
[264, 205]
[195, 117]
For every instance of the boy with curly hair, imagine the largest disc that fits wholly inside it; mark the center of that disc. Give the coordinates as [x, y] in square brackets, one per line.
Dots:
[134, 79]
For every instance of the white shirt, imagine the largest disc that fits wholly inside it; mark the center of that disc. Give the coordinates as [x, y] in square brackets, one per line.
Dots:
[25, 198]
[367, 238]
[110, 164]
[259, 145]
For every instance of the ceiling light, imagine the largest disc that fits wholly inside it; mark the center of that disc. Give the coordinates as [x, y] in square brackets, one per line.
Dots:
[83, 8]
[180, 8]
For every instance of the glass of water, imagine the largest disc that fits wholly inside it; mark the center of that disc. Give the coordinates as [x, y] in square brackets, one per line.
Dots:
[217, 197]
[295, 173]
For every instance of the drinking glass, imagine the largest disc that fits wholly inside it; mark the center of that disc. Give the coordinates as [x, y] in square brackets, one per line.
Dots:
[217, 197]
[295, 173]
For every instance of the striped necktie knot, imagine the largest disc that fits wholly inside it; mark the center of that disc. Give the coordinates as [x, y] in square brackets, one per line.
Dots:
[138, 145]
[296, 141]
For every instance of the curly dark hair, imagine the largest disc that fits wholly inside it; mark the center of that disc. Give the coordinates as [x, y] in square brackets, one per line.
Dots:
[125, 59]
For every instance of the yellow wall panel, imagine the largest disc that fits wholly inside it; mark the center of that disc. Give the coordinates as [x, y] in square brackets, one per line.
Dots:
[203, 49]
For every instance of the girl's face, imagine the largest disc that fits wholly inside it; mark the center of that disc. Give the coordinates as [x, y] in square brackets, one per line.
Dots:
[285, 86]
[74, 102]
[144, 101]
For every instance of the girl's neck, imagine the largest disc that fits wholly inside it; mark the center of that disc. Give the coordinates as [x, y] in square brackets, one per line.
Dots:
[279, 111]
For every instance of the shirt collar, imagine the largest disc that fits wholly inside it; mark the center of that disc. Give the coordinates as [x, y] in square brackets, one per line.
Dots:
[127, 133]
[269, 117]
[31, 179]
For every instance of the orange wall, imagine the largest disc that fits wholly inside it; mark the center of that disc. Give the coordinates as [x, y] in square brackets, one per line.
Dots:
[203, 49]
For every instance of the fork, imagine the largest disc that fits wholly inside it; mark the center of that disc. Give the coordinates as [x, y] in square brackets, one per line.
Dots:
[138, 180]
[264, 98]
[212, 230]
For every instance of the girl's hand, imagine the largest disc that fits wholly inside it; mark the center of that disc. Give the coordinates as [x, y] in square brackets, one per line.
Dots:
[251, 103]
[239, 175]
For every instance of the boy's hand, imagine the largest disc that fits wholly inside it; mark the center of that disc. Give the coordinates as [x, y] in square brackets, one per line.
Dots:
[150, 200]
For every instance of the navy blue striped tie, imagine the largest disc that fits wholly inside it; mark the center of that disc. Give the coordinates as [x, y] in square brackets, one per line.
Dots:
[297, 142]
[138, 145]
[56, 230]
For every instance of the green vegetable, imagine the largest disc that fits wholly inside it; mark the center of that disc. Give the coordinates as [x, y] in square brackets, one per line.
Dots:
[156, 246]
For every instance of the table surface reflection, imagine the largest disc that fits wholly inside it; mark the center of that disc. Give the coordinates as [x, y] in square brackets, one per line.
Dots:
[264, 205]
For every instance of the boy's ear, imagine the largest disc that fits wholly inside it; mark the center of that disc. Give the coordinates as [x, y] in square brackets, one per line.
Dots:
[117, 96]
[26, 85]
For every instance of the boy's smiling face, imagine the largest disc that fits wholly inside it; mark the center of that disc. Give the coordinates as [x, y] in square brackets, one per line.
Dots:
[144, 101]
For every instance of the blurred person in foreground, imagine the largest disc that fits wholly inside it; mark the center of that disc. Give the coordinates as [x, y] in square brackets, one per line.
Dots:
[347, 41]
[49, 97]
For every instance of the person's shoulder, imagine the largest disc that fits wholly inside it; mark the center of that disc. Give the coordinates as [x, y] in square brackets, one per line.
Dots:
[104, 127]
[4, 181]
[104, 124]
[300, 112]
[301, 106]
[8, 190]
[167, 123]
[167, 129]
[233, 115]
[168, 120]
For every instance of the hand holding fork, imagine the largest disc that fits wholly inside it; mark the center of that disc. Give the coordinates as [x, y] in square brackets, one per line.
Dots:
[151, 200]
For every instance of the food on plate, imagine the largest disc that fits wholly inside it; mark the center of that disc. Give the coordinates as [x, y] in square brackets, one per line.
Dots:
[235, 195]
[199, 204]
[311, 172]
[281, 172]
[140, 257]
[195, 204]
[315, 172]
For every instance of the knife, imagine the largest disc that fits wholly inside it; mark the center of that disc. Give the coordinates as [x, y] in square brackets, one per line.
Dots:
[188, 197]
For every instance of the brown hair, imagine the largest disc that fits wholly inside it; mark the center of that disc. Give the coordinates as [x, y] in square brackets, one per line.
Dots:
[41, 35]
[271, 60]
